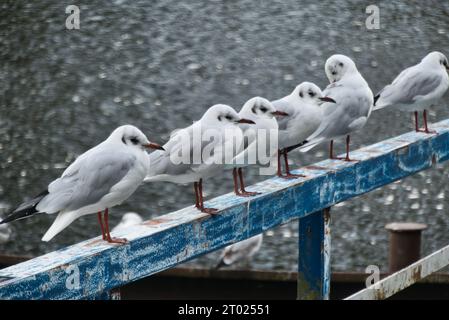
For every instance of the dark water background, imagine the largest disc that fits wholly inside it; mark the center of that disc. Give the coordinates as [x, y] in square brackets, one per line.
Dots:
[160, 64]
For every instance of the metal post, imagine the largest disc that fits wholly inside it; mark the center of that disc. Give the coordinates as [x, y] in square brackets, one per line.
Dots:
[314, 256]
[405, 244]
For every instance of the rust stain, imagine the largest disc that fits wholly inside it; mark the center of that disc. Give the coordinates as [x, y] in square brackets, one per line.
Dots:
[379, 295]
[416, 273]
[154, 222]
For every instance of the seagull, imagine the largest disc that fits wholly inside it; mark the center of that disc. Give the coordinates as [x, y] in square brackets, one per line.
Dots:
[97, 180]
[129, 219]
[5, 233]
[262, 112]
[199, 151]
[304, 116]
[351, 110]
[242, 250]
[417, 88]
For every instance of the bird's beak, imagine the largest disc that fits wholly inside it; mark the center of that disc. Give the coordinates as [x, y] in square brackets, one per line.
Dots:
[246, 121]
[153, 145]
[327, 99]
[279, 113]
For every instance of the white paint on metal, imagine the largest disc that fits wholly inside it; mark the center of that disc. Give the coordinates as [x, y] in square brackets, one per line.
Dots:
[405, 277]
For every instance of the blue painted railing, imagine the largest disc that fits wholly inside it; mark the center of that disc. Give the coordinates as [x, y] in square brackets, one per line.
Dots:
[93, 268]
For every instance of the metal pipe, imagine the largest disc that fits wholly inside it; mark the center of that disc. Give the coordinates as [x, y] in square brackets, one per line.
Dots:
[405, 244]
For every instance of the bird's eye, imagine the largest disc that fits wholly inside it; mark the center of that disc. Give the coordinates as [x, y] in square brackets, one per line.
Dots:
[134, 140]
[263, 109]
[311, 93]
[300, 94]
[340, 64]
[228, 117]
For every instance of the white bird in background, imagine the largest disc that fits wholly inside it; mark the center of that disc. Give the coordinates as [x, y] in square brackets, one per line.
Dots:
[262, 112]
[5, 233]
[351, 110]
[129, 219]
[239, 251]
[304, 117]
[417, 88]
[221, 122]
[97, 180]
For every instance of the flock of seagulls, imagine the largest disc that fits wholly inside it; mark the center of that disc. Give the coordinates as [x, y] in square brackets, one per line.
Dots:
[108, 174]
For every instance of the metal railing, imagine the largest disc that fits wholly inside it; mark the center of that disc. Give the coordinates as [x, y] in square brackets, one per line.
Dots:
[93, 268]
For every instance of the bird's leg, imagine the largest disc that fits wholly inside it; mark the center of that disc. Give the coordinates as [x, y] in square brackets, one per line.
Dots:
[197, 198]
[108, 235]
[426, 129]
[100, 221]
[244, 193]
[236, 186]
[279, 172]
[331, 150]
[347, 158]
[205, 210]
[289, 175]
[416, 122]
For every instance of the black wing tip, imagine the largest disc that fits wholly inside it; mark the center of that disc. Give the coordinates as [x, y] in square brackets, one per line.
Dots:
[220, 264]
[376, 97]
[25, 210]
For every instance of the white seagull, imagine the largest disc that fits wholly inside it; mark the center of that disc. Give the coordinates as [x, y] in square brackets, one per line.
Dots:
[97, 180]
[304, 114]
[351, 110]
[239, 251]
[262, 112]
[199, 151]
[417, 88]
[129, 219]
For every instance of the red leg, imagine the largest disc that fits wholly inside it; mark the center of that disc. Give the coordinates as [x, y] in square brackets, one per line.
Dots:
[197, 198]
[348, 139]
[236, 186]
[206, 210]
[416, 121]
[106, 223]
[279, 173]
[100, 221]
[426, 129]
[331, 150]
[289, 175]
[244, 193]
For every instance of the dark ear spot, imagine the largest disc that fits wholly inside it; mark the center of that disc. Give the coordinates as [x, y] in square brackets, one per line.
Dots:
[340, 64]
[123, 139]
[300, 94]
[253, 109]
[219, 118]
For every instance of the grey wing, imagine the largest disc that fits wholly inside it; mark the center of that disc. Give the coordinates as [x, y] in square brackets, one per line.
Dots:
[90, 179]
[285, 106]
[410, 84]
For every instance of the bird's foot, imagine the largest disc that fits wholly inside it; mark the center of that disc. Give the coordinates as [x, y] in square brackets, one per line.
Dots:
[209, 210]
[290, 176]
[245, 193]
[117, 240]
[428, 131]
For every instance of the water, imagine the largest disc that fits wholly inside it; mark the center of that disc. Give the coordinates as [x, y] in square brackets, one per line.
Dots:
[160, 64]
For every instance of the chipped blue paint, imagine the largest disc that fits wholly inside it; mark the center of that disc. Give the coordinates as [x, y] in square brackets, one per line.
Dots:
[168, 240]
[314, 256]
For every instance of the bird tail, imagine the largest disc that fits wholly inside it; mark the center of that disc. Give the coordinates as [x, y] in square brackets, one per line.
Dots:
[61, 222]
[26, 209]
[308, 145]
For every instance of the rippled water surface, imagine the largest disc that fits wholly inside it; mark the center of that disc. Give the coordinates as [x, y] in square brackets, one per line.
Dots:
[160, 64]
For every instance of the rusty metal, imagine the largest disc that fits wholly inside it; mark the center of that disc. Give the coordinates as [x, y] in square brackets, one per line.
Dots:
[405, 244]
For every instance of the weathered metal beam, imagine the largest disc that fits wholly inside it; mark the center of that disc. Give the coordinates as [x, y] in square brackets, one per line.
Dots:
[405, 277]
[314, 256]
[171, 239]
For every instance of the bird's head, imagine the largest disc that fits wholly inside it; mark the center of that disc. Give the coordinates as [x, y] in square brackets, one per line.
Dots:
[337, 66]
[437, 58]
[132, 137]
[223, 115]
[310, 92]
[259, 107]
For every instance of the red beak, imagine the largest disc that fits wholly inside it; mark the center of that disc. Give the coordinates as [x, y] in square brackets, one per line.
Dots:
[279, 113]
[153, 145]
[246, 121]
